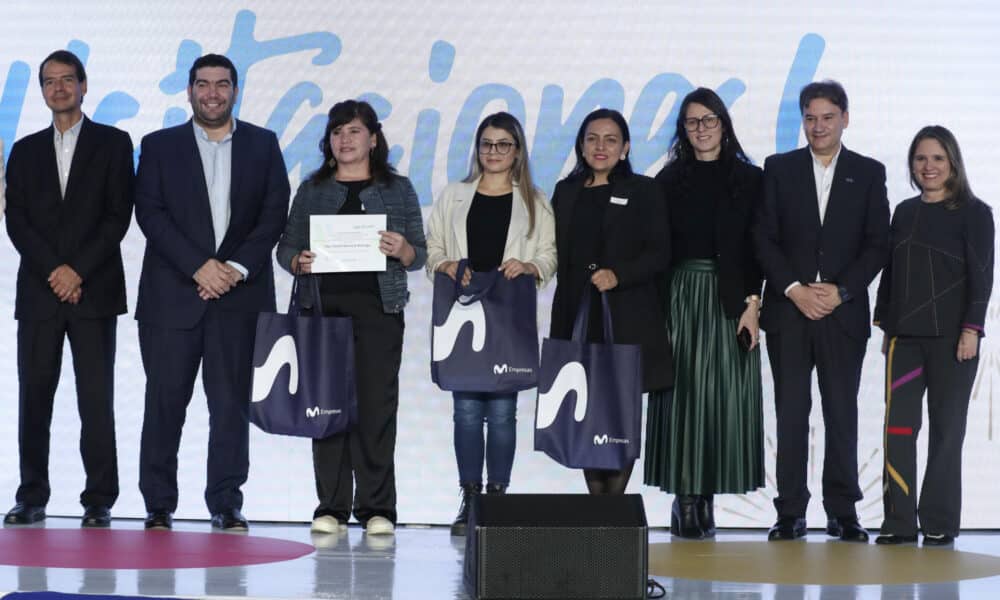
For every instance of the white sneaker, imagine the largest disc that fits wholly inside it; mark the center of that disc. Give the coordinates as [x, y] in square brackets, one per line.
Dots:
[327, 524]
[379, 526]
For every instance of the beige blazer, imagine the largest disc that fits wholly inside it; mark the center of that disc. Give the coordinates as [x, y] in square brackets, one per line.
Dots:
[446, 232]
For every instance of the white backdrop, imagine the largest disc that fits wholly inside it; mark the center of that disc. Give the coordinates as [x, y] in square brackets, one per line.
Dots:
[432, 69]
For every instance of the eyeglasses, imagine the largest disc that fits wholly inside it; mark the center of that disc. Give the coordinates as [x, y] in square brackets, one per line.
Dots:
[501, 147]
[708, 122]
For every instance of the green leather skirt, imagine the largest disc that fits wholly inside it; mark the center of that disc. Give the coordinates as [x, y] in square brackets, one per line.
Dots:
[706, 435]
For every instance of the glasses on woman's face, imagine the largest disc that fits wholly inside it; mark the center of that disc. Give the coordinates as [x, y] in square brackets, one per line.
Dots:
[708, 122]
[501, 147]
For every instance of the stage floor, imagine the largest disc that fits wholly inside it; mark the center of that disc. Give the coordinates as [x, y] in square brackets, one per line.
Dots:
[425, 562]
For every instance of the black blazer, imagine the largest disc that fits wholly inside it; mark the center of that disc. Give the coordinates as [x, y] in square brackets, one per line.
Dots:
[83, 230]
[849, 248]
[173, 211]
[739, 274]
[637, 249]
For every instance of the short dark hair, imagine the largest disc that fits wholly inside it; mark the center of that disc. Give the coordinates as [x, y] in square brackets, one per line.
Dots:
[213, 60]
[621, 170]
[827, 89]
[341, 114]
[64, 57]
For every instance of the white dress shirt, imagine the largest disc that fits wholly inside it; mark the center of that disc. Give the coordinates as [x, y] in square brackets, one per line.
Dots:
[65, 145]
[823, 177]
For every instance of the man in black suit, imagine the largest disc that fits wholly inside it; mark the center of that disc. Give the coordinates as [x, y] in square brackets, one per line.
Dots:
[822, 236]
[69, 204]
[211, 198]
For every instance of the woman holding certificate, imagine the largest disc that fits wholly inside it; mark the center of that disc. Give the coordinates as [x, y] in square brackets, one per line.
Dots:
[612, 236]
[357, 179]
[498, 220]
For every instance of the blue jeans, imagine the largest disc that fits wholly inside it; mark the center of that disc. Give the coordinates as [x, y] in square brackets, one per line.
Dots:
[499, 412]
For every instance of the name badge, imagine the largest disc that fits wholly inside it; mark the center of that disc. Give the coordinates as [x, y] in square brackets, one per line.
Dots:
[619, 201]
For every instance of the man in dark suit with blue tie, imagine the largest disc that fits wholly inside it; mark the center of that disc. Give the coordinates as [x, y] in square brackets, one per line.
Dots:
[211, 198]
[822, 236]
[69, 204]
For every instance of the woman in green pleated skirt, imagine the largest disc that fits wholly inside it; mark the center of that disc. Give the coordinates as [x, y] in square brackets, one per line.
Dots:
[705, 436]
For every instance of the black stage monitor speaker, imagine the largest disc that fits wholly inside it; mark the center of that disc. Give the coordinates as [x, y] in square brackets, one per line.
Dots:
[556, 546]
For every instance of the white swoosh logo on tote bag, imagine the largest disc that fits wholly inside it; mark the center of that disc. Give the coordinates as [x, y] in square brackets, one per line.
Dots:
[282, 353]
[571, 377]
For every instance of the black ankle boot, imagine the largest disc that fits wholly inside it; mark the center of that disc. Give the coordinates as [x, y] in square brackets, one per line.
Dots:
[684, 518]
[462, 520]
[706, 514]
[495, 489]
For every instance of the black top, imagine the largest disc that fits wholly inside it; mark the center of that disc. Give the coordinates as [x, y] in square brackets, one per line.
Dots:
[586, 243]
[339, 283]
[692, 214]
[735, 192]
[940, 275]
[486, 229]
[634, 242]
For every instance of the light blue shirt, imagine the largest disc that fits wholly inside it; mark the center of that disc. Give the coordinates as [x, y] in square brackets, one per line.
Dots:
[217, 163]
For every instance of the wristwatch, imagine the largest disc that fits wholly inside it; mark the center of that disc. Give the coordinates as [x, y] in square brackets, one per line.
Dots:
[844, 295]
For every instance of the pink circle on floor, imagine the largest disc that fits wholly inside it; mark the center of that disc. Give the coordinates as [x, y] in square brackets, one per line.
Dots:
[128, 549]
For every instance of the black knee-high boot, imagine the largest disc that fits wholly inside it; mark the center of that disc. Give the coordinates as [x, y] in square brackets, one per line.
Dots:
[684, 517]
[706, 514]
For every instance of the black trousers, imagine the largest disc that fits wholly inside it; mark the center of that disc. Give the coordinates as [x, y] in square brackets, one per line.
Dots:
[914, 365]
[794, 351]
[222, 344]
[39, 361]
[361, 462]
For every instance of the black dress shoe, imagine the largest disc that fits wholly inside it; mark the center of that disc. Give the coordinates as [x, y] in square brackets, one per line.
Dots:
[96, 516]
[938, 539]
[230, 520]
[847, 529]
[159, 519]
[894, 539]
[24, 514]
[787, 528]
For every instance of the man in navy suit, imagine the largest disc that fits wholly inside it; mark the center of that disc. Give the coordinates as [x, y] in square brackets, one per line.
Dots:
[69, 202]
[211, 198]
[822, 236]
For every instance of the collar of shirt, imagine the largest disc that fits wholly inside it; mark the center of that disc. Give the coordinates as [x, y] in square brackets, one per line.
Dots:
[819, 167]
[202, 136]
[70, 134]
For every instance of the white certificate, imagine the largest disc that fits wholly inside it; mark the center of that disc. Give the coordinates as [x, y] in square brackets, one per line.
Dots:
[345, 243]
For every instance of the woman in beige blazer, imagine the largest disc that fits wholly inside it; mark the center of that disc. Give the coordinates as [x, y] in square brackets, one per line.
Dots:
[496, 219]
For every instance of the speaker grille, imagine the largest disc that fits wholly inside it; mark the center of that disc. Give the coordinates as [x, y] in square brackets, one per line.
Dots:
[562, 562]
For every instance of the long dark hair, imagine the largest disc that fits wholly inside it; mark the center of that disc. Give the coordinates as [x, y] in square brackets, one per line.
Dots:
[520, 171]
[957, 184]
[682, 156]
[340, 114]
[621, 170]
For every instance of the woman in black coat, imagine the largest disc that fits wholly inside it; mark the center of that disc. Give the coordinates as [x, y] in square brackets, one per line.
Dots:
[611, 237]
[707, 437]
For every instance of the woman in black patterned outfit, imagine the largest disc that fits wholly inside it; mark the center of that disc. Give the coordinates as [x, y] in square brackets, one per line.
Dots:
[932, 302]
